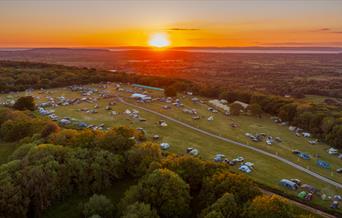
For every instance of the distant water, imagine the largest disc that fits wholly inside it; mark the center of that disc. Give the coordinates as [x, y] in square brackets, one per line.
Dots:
[227, 50]
[14, 49]
[263, 51]
[246, 50]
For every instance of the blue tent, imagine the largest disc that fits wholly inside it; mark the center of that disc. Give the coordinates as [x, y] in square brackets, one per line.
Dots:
[323, 164]
[82, 125]
[219, 157]
[288, 184]
[304, 156]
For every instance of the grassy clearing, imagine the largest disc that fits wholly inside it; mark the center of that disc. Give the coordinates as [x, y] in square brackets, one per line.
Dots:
[268, 170]
[221, 126]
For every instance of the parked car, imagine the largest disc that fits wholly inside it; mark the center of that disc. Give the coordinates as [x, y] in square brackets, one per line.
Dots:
[295, 152]
[334, 205]
[289, 184]
[219, 157]
[245, 169]
[297, 181]
[239, 159]
[309, 188]
[304, 156]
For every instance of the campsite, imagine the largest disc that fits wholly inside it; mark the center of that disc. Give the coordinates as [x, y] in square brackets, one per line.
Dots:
[98, 106]
[171, 109]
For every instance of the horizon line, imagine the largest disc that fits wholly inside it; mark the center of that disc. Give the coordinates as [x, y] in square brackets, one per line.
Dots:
[177, 47]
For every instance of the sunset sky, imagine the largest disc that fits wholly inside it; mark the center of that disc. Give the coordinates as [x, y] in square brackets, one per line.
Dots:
[187, 23]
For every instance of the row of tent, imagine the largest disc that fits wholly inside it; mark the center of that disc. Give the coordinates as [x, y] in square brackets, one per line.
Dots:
[246, 167]
[310, 190]
[320, 163]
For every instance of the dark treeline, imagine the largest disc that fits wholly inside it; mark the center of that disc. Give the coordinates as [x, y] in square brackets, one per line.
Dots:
[19, 76]
[321, 120]
[279, 74]
[49, 166]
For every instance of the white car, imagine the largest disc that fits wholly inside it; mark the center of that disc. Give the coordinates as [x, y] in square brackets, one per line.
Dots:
[239, 159]
[164, 146]
[194, 152]
[245, 169]
[249, 164]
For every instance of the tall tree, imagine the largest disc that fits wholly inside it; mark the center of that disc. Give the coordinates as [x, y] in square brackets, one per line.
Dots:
[235, 109]
[98, 205]
[25, 103]
[255, 110]
[170, 91]
[243, 188]
[266, 206]
[225, 206]
[164, 190]
[140, 210]
[141, 156]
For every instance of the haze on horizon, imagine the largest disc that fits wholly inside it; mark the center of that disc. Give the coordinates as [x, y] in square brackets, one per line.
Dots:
[187, 23]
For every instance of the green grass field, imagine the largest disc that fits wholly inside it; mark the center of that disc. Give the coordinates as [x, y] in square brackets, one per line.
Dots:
[221, 126]
[267, 170]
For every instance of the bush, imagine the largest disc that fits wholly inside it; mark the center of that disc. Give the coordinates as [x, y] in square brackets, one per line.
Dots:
[13, 130]
[269, 206]
[164, 190]
[25, 103]
[192, 170]
[118, 140]
[17, 129]
[98, 205]
[50, 127]
[243, 188]
[224, 206]
[170, 91]
[235, 109]
[140, 157]
[255, 110]
[140, 210]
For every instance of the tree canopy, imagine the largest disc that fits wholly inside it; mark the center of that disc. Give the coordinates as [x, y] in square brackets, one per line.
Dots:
[98, 205]
[165, 191]
[269, 207]
[25, 103]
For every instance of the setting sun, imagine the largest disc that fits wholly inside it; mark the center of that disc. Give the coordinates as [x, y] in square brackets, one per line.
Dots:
[159, 40]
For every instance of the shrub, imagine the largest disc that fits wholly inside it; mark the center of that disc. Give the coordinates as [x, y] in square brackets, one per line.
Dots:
[25, 103]
[98, 205]
[139, 210]
[164, 190]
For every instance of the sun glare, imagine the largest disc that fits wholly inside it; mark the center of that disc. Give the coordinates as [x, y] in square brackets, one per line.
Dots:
[159, 40]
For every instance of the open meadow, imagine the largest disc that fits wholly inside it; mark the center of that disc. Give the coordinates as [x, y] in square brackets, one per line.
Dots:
[267, 170]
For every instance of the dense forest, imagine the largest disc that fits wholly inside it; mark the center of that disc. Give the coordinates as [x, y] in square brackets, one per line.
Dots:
[323, 121]
[19, 76]
[52, 163]
[276, 73]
